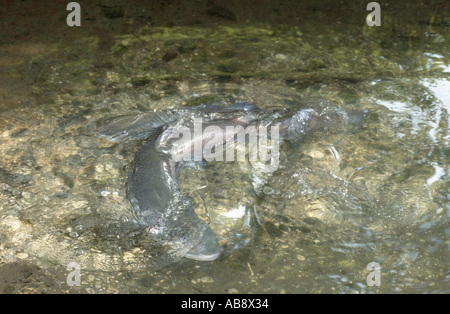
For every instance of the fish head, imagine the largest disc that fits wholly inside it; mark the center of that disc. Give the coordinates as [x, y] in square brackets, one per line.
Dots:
[208, 249]
[187, 234]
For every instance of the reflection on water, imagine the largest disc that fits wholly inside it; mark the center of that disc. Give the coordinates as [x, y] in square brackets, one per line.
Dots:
[376, 190]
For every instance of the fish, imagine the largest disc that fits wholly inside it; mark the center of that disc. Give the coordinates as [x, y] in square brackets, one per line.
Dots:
[153, 188]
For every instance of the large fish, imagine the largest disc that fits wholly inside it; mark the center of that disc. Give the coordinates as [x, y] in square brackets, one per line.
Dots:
[153, 188]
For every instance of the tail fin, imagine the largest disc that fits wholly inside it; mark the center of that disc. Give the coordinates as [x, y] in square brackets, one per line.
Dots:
[135, 127]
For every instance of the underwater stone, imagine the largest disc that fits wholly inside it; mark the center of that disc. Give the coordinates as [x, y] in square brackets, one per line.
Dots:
[272, 229]
[222, 12]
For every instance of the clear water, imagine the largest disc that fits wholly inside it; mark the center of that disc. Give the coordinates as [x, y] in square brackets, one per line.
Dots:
[375, 191]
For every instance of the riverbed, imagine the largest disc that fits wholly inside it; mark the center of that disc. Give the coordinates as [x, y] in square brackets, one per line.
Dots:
[355, 208]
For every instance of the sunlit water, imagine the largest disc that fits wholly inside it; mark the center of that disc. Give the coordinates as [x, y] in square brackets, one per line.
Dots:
[375, 190]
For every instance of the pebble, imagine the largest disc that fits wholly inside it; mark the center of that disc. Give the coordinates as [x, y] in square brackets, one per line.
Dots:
[22, 255]
[205, 279]
[280, 57]
[219, 11]
[316, 154]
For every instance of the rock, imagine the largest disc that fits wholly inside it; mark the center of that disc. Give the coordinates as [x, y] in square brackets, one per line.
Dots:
[186, 48]
[22, 255]
[205, 279]
[227, 68]
[169, 56]
[20, 133]
[222, 12]
[73, 161]
[86, 141]
[280, 57]
[140, 81]
[111, 11]
[272, 229]
[21, 178]
[28, 159]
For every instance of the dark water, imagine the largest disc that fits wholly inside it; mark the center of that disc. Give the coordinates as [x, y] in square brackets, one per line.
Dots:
[374, 191]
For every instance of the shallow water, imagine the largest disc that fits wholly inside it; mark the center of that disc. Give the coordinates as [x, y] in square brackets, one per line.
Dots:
[376, 190]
